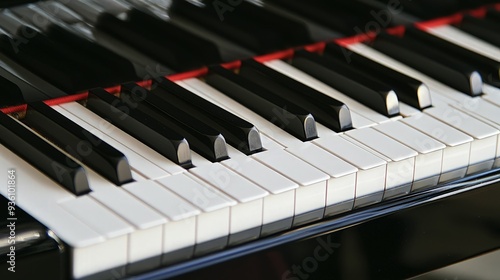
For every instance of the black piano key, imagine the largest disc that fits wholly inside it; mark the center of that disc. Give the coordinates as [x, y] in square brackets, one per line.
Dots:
[275, 109]
[437, 64]
[10, 93]
[117, 69]
[409, 90]
[238, 132]
[174, 114]
[16, 91]
[252, 26]
[487, 67]
[79, 143]
[485, 29]
[140, 125]
[114, 68]
[346, 17]
[43, 156]
[493, 14]
[164, 41]
[326, 110]
[349, 81]
[50, 61]
[11, 3]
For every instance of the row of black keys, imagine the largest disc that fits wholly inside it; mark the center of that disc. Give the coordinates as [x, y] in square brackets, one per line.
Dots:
[73, 63]
[367, 81]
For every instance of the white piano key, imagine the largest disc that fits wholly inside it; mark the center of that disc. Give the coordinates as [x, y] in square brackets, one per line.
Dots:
[323, 160]
[265, 127]
[197, 193]
[179, 235]
[212, 225]
[495, 99]
[370, 179]
[311, 195]
[483, 148]
[129, 208]
[122, 137]
[324, 131]
[98, 217]
[148, 223]
[456, 154]
[341, 187]
[401, 159]
[260, 174]
[214, 204]
[89, 260]
[359, 121]
[291, 167]
[407, 110]
[162, 200]
[353, 105]
[136, 161]
[466, 41]
[428, 162]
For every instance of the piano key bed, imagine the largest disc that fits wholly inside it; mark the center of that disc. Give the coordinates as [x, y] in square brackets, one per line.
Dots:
[371, 156]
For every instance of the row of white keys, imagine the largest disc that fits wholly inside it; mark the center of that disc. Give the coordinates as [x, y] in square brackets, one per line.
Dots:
[142, 222]
[408, 111]
[164, 236]
[148, 224]
[239, 223]
[126, 221]
[315, 178]
[478, 158]
[366, 194]
[398, 182]
[442, 95]
[110, 130]
[39, 196]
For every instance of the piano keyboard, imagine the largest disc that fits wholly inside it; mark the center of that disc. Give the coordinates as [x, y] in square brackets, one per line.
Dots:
[138, 169]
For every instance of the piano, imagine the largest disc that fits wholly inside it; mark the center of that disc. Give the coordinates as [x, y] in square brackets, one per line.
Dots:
[247, 139]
